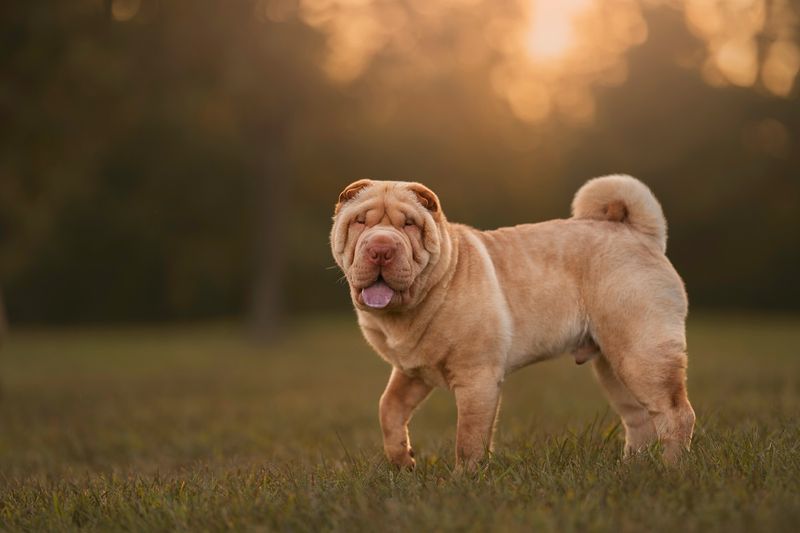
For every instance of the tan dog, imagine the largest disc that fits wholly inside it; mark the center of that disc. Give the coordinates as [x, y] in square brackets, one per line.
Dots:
[448, 305]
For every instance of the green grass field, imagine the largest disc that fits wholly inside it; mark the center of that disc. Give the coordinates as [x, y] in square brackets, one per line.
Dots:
[192, 428]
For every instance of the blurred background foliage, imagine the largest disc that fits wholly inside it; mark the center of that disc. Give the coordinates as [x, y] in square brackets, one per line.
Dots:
[175, 159]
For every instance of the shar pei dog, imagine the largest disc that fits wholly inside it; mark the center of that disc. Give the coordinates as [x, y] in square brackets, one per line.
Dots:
[450, 306]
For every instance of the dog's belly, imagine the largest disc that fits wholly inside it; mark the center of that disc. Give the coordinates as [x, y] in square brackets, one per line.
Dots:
[581, 348]
[544, 348]
[545, 325]
[521, 361]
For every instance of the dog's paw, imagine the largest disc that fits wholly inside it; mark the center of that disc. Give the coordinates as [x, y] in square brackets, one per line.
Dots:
[403, 459]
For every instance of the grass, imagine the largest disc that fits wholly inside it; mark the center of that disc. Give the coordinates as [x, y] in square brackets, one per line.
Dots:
[192, 428]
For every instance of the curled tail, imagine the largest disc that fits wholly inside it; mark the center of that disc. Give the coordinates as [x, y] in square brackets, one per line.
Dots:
[621, 198]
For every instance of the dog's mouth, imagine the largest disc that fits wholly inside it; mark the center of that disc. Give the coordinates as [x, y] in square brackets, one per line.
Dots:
[378, 295]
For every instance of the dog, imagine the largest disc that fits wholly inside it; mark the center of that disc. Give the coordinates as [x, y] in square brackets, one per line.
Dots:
[450, 306]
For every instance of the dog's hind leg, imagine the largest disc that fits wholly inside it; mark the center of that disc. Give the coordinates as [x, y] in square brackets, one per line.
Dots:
[656, 377]
[639, 428]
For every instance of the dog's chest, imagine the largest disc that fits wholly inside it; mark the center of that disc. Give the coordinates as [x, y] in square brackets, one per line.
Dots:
[413, 357]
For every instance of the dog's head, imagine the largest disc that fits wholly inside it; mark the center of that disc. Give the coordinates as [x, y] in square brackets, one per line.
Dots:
[387, 237]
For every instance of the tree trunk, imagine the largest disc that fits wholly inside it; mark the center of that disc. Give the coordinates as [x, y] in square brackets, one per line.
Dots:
[3, 332]
[3, 319]
[267, 296]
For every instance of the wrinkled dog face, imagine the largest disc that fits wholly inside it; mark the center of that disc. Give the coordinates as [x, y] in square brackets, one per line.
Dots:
[386, 239]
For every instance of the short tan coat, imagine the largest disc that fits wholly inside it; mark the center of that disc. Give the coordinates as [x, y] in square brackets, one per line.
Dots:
[468, 307]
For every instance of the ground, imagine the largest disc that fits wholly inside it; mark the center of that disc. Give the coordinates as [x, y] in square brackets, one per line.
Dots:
[191, 427]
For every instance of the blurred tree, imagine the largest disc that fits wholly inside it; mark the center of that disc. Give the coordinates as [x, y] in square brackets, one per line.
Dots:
[164, 126]
[176, 159]
[260, 65]
[3, 319]
[272, 196]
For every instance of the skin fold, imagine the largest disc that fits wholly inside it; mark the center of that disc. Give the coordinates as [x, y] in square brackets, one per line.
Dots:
[467, 307]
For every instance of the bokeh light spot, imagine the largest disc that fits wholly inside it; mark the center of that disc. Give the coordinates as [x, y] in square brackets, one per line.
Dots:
[781, 67]
[125, 10]
[551, 30]
[738, 62]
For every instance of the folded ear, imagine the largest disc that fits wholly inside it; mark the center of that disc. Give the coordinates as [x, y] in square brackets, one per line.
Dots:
[349, 193]
[428, 199]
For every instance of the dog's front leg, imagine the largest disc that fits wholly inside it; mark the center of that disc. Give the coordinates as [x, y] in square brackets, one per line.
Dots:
[477, 401]
[402, 395]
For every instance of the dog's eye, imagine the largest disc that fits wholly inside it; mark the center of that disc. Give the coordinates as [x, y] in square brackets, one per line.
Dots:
[409, 222]
[361, 219]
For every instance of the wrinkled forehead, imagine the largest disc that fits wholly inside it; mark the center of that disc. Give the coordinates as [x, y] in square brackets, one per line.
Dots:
[391, 198]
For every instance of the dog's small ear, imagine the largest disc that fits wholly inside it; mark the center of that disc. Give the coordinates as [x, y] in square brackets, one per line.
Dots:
[349, 193]
[428, 199]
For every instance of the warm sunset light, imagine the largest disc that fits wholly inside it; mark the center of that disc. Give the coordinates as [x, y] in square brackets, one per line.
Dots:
[243, 242]
[732, 30]
[552, 28]
[545, 56]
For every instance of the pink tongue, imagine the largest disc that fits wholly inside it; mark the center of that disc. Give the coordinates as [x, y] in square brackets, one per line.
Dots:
[378, 295]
